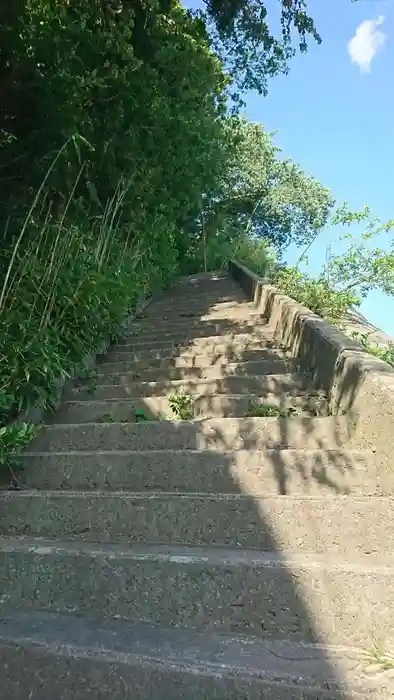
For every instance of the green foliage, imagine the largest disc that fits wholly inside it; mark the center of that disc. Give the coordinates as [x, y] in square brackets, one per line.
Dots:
[244, 40]
[255, 254]
[13, 439]
[122, 166]
[346, 277]
[315, 294]
[383, 352]
[181, 405]
[262, 195]
[110, 89]
[257, 410]
[362, 267]
[63, 294]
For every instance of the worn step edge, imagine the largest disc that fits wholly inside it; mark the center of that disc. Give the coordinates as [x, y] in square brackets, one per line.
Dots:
[193, 320]
[208, 371]
[209, 327]
[228, 405]
[214, 556]
[120, 361]
[264, 384]
[313, 597]
[286, 669]
[189, 496]
[250, 339]
[216, 434]
[269, 472]
[308, 523]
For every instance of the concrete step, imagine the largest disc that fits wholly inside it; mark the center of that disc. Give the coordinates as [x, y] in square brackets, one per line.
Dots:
[224, 291]
[199, 330]
[230, 406]
[338, 524]
[216, 434]
[73, 658]
[197, 304]
[271, 366]
[215, 351]
[253, 340]
[176, 319]
[160, 310]
[192, 311]
[265, 473]
[275, 595]
[279, 384]
[214, 345]
[116, 359]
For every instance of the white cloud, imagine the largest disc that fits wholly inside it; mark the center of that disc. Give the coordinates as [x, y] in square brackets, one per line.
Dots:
[366, 43]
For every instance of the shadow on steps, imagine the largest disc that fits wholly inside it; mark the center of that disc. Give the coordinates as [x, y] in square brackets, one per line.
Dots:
[166, 504]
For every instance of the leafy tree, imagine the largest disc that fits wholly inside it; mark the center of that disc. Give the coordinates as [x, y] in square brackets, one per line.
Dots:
[348, 277]
[244, 41]
[104, 82]
[264, 195]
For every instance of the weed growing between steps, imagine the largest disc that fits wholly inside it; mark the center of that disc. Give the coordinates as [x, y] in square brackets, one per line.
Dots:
[181, 405]
[256, 410]
[310, 407]
[13, 439]
[65, 293]
[378, 660]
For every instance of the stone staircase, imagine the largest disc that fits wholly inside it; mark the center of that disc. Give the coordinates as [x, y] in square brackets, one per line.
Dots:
[244, 553]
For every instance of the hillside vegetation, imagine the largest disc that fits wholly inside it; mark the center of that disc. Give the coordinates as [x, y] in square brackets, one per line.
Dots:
[125, 163]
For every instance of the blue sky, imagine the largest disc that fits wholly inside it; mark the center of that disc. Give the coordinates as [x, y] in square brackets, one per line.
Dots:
[334, 114]
[335, 117]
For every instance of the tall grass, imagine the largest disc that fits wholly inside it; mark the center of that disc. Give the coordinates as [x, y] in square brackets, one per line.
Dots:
[66, 288]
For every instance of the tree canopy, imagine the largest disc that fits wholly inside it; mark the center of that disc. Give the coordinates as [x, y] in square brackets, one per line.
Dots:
[269, 196]
[243, 37]
[94, 91]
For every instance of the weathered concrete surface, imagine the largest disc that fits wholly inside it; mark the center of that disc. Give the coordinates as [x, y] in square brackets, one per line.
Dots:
[203, 330]
[225, 406]
[258, 338]
[269, 472]
[216, 434]
[278, 384]
[75, 659]
[178, 586]
[123, 361]
[215, 371]
[335, 525]
[207, 524]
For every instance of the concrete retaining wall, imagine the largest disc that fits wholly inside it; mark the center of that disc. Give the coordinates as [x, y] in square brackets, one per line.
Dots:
[357, 383]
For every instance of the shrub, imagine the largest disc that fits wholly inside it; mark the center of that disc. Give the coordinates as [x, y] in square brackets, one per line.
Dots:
[256, 254]
[315, 294]
[65, 291]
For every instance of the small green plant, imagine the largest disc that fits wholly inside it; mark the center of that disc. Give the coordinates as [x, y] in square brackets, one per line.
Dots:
[256, 410]
[13, 439]
[385, 353]
[346, 278]
[140, 416]
[181, 405]
[107, 418]
[378, 659]
[315, 294]
[87, 374]
[117, 336]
